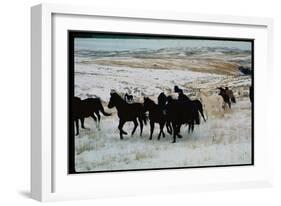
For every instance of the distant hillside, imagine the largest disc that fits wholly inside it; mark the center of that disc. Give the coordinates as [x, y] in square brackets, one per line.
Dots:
[227, 61]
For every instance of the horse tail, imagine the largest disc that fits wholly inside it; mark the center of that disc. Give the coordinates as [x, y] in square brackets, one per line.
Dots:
[197, 118]
[195, 112]
[102, 109]
[144, 118]
[200, 109]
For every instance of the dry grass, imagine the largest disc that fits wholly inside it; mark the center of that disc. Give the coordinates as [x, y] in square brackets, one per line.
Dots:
[215, 66]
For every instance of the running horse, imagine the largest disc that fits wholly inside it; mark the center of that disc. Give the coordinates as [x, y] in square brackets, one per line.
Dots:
[227, 95]
[89, 107]
[127, 112]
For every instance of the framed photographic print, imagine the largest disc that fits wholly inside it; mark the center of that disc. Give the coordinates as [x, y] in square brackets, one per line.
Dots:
[122, 100]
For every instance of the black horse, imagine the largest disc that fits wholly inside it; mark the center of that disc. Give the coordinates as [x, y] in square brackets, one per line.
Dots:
[179, 113]
[127, 112]
[156, 115]
[196, 102]
[89, 107]
[227, 96]
[162, 99]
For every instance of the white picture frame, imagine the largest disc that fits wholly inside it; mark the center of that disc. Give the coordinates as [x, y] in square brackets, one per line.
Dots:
[49, 178]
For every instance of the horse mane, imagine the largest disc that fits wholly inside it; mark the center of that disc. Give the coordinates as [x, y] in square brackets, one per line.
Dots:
[170, 98]
[161, 99]
[150, 100]
[115, 94]
[162, 94]
[76, 98]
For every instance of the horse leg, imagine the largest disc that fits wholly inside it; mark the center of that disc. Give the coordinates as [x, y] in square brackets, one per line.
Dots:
[98, 122]
[224, 105]
[192, 127]
[151, 129]
[77, 126]
[161, 130]
[229, 104]
[120, 127]
[163, 133]
[135, 127]
[141, 125]
[95, 119]
[202, 114]
[169, 127]
[82, 122]
[175, 131]
[178, 131]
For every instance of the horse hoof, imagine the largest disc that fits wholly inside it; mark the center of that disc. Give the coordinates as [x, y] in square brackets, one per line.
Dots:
[150, 138]
[173, 141]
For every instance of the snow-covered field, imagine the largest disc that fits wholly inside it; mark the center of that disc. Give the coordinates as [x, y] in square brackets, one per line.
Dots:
[223, 139]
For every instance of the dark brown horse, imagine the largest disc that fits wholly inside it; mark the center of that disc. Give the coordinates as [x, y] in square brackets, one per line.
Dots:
[89, 107]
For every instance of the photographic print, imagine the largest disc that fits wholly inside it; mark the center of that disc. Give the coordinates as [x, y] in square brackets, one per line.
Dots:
[145, 102]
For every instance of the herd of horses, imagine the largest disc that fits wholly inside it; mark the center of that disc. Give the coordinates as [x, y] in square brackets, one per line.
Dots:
[169, 112]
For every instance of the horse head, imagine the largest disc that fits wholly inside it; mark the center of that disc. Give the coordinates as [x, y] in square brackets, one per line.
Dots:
[169, 99]
[115, 100]
[222, 90]
[145, 103]
[162, 98]
[148, 104]
[177, 89]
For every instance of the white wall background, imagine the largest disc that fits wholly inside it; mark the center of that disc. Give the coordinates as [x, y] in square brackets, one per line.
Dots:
[15, 101]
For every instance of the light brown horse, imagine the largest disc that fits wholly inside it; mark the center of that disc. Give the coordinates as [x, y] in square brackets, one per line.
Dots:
[227, 95]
